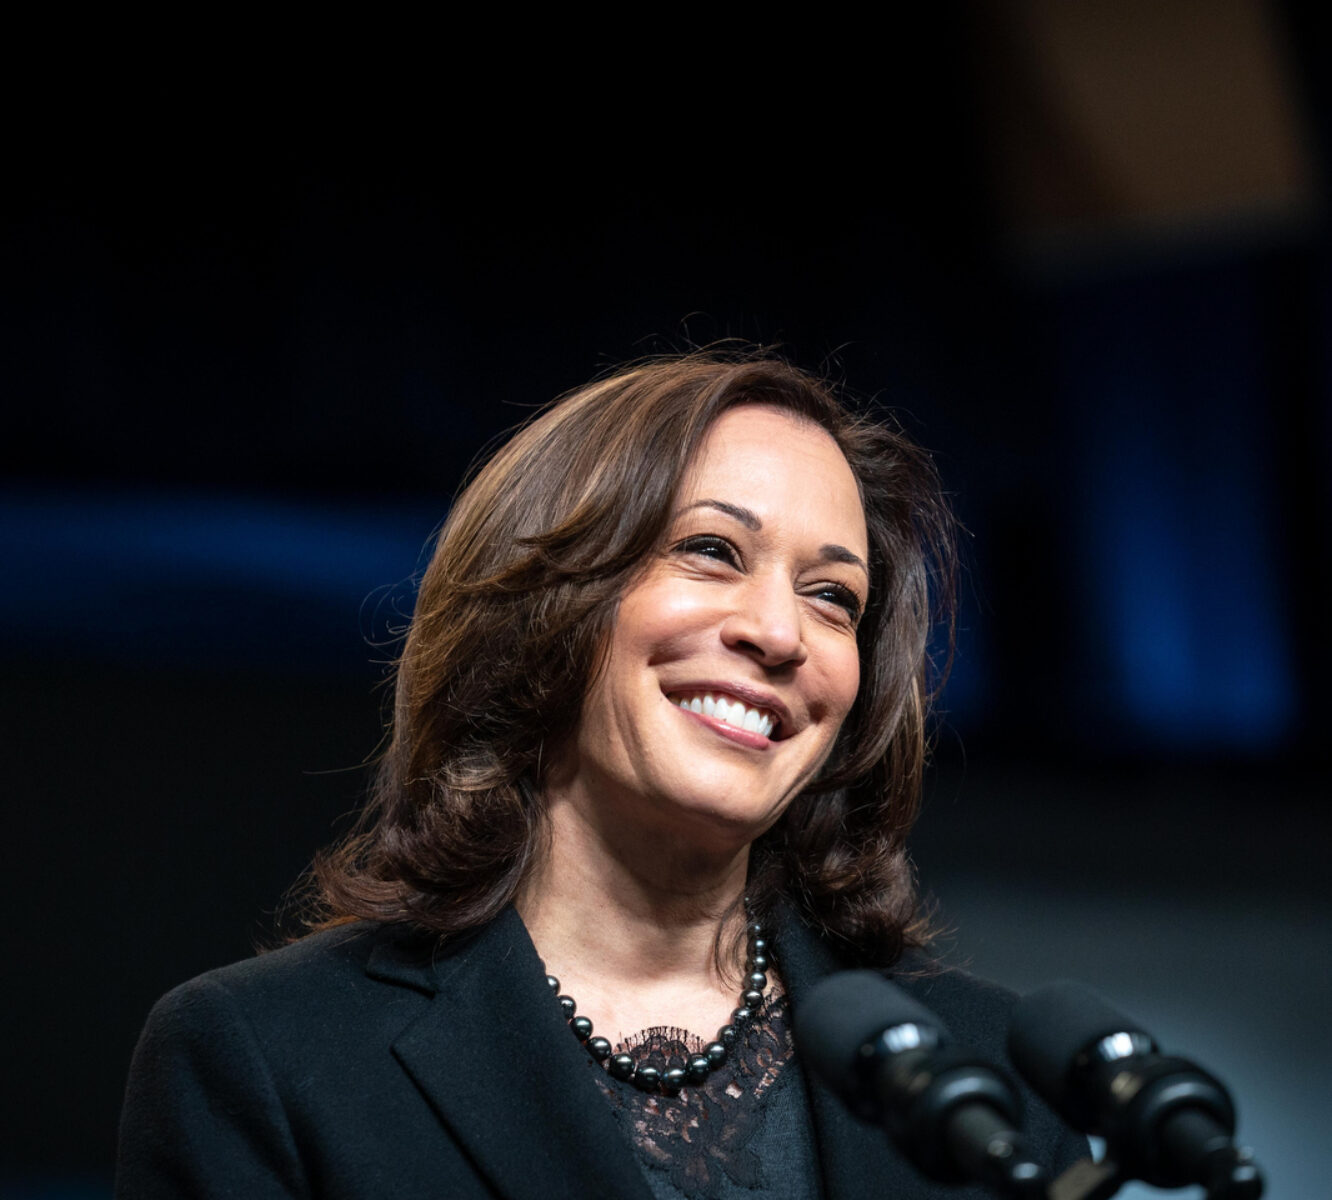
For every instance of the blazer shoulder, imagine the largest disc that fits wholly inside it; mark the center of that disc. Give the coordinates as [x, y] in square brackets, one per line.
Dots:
[975, 1010]
[241, 1071]
[319, 958]
[336, 971]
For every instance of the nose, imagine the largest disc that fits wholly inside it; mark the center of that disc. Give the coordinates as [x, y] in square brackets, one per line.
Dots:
[766, 622]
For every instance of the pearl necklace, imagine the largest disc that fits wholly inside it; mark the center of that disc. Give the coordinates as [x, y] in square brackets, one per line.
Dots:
[625, 1067]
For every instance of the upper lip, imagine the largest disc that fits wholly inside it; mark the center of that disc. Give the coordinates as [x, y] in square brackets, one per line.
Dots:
[755, 697]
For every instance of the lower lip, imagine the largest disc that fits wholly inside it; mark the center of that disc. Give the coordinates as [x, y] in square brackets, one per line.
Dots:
[755, 741]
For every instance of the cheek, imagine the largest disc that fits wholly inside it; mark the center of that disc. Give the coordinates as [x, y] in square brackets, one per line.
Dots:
[846, 671]
[844, 681]
[653, 619]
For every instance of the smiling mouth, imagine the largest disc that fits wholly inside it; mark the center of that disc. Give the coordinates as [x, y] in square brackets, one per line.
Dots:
[729, 711]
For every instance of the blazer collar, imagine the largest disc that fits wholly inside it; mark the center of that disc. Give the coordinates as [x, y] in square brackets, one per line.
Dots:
[857, 1159]
[496, 1061]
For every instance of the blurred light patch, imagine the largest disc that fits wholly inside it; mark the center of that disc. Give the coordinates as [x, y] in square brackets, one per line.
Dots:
[1186, 641]
[213, 581]
[966, 696]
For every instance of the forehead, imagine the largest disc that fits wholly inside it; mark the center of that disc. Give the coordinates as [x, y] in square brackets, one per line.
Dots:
[783, 469]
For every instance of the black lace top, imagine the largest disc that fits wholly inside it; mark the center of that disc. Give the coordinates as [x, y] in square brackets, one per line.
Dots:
[745, 1132]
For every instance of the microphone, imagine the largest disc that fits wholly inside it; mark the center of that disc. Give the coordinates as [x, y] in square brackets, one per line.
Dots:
[1164, 1119]
[892, 1062]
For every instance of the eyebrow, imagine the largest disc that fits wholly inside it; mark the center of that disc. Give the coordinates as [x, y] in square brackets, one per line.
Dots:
[749, 519]
[745, 516]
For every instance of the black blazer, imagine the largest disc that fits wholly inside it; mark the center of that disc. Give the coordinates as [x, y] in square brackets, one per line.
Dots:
[365, 1062]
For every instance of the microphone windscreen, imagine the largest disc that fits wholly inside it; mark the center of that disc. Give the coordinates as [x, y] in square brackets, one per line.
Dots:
[845, 1011]
[1051, 1026]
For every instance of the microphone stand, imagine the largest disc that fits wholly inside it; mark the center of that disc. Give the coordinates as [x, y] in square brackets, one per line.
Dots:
[1233, 1175]
[1087, 1180]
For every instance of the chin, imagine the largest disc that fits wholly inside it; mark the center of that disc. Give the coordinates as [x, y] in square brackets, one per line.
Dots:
[734, 820]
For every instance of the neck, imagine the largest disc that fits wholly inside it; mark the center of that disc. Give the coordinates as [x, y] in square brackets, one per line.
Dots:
[626, 906]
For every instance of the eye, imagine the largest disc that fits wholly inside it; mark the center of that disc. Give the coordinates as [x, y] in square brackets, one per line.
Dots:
[710, 546]
[843, 597]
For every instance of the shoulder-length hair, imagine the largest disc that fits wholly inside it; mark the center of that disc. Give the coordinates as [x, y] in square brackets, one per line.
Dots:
[509, 628]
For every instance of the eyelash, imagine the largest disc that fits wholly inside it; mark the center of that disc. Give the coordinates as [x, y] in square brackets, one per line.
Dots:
[710, 542]
[844, 597]
[720, 549]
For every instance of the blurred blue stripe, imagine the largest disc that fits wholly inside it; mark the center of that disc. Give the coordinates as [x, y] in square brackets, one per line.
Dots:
[190, 578]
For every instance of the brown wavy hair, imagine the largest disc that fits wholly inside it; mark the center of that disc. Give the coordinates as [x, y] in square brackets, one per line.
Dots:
[516, 607]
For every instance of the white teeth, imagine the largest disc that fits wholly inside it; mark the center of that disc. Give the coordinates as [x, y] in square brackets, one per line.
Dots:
[733, 712]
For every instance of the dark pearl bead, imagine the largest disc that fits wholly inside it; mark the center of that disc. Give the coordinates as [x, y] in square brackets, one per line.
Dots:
[647, 1078]
[757, 980]
[727, 1035]
[740, 1014]
[698, 1068]
[621, 1066]
[752, 1000]
[716, 1053]
[599, 1048]
[552, 983]
[755, 930]
[758, 962]
[673, 1081]
[582, 1027]
[568, 1006]
[759, 946]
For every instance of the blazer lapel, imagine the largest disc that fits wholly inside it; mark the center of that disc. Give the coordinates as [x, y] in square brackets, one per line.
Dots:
[496, 1060]
[858, 1160]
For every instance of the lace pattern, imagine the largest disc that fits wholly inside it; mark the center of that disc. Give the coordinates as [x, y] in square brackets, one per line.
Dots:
[701, 1138]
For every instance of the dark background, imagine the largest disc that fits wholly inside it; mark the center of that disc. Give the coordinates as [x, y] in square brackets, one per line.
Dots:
[1080, 250]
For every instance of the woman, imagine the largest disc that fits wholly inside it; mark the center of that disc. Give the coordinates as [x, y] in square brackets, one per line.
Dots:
[657, 743]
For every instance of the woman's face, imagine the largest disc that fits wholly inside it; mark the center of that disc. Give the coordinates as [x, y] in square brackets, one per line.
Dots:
[733, 659]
